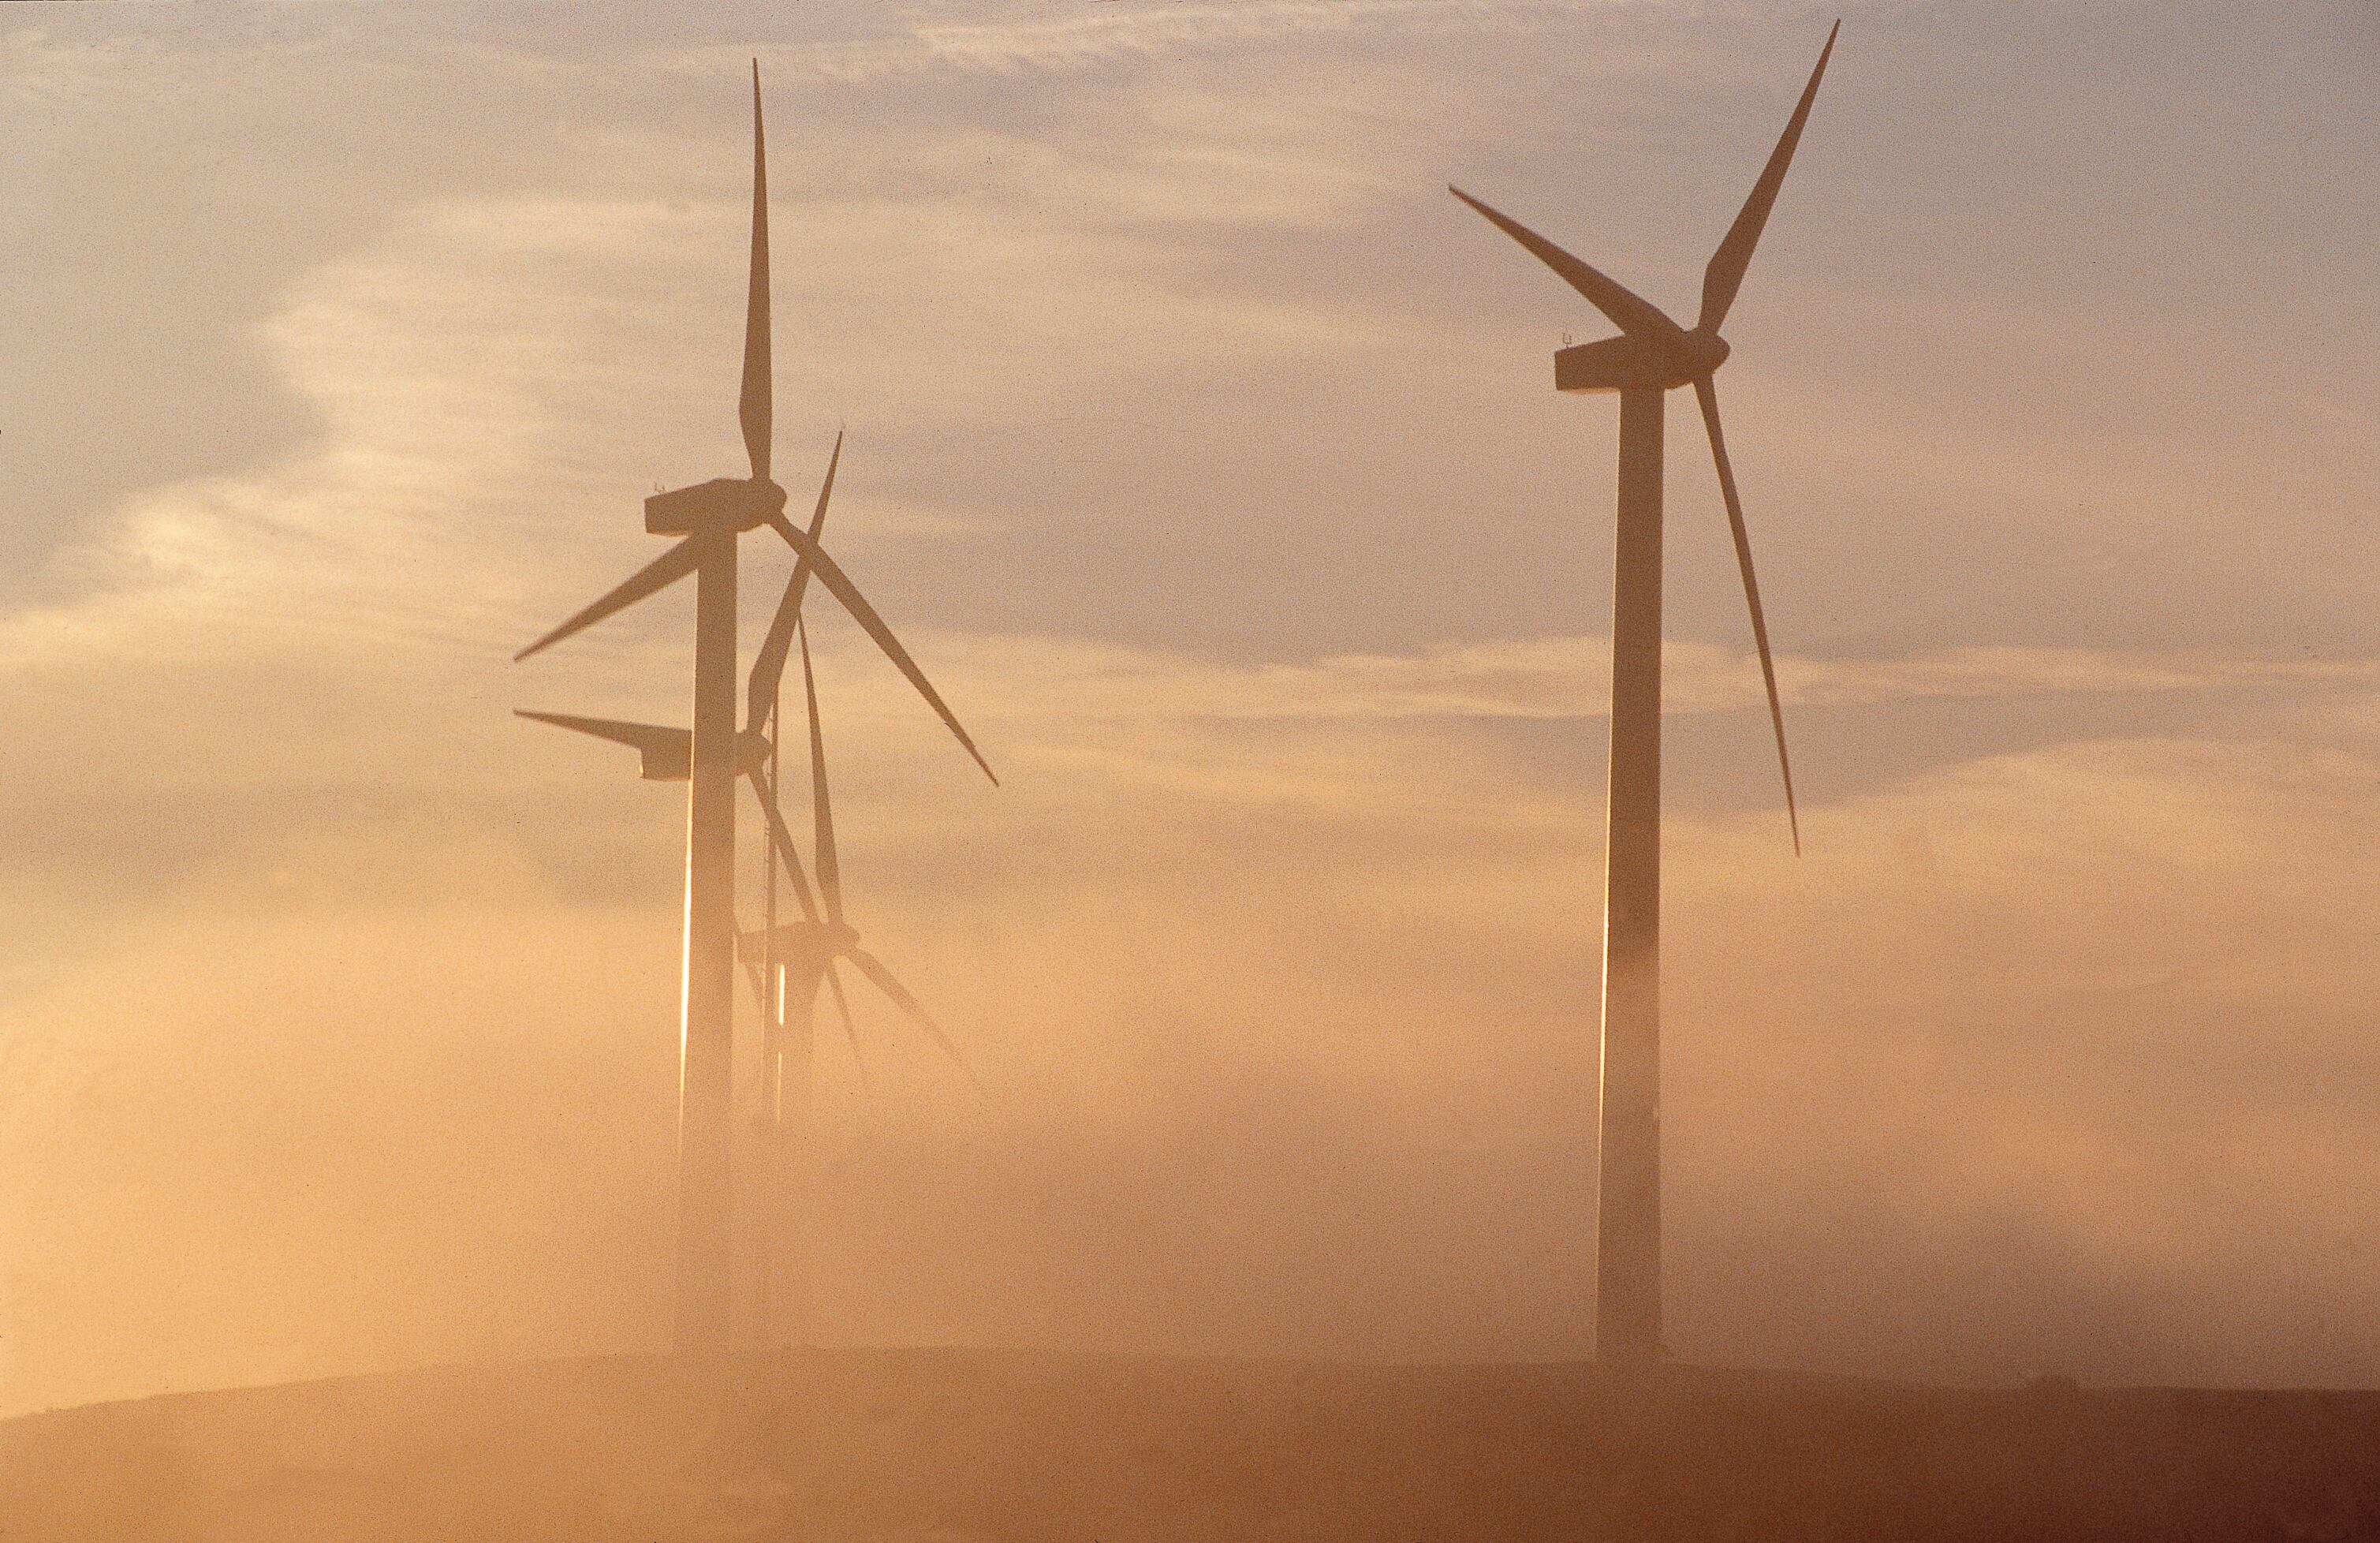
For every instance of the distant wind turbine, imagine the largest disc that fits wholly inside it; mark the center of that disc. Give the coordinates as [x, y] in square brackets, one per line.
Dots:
[1652, 356]
[798, 958]
[710, 517]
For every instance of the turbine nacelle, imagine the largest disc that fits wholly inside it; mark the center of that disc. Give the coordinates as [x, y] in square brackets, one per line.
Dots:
[675, 762]
[737, 503]
[1639, 362]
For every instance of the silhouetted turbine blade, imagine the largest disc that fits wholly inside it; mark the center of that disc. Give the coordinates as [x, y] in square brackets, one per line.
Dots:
[650, 739]
[769, 664]
[1630, 312]
[850, 1032]
[829, 869]
[754, 408]
[840, 586]
[873, 968]
[1725, 274]
[655, 577]
[1707, 394]
[782, 839]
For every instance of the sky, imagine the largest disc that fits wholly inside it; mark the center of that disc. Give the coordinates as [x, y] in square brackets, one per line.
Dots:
[1205, 451]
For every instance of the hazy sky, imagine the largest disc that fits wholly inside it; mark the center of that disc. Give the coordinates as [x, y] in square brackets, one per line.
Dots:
[1206, 453]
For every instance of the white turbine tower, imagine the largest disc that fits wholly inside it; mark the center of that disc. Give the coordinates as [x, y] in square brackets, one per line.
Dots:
[1651, 357]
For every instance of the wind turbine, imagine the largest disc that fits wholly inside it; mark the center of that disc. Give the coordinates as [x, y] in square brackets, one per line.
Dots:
[1651, 357]
[709, 517]
[788, 964]
[799, 958]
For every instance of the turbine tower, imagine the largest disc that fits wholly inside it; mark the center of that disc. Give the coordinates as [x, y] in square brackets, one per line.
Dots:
[709, 518]
[1651, 357]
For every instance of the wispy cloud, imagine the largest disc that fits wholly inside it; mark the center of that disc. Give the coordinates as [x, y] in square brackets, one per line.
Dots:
[1032, 39]
[1568, 677]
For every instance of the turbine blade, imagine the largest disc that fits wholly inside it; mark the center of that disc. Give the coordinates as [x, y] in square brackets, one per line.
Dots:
[829, 869]
[649, 580]
[873, 968]
[1707, 394]
[649, 740]
[769, 665]
[1725, 274]
[850, 1033]
[1630, 312]
[765, 789]
[839, 585]
[754, 409]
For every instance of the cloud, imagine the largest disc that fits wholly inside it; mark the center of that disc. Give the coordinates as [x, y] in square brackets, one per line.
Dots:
[1027, 39]
[1056, 680]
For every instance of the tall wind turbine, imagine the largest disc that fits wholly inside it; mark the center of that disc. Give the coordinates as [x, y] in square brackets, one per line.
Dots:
[1651, 357]
[709, 517]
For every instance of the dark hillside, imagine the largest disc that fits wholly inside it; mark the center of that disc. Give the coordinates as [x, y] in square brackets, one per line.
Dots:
[950, 1445]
